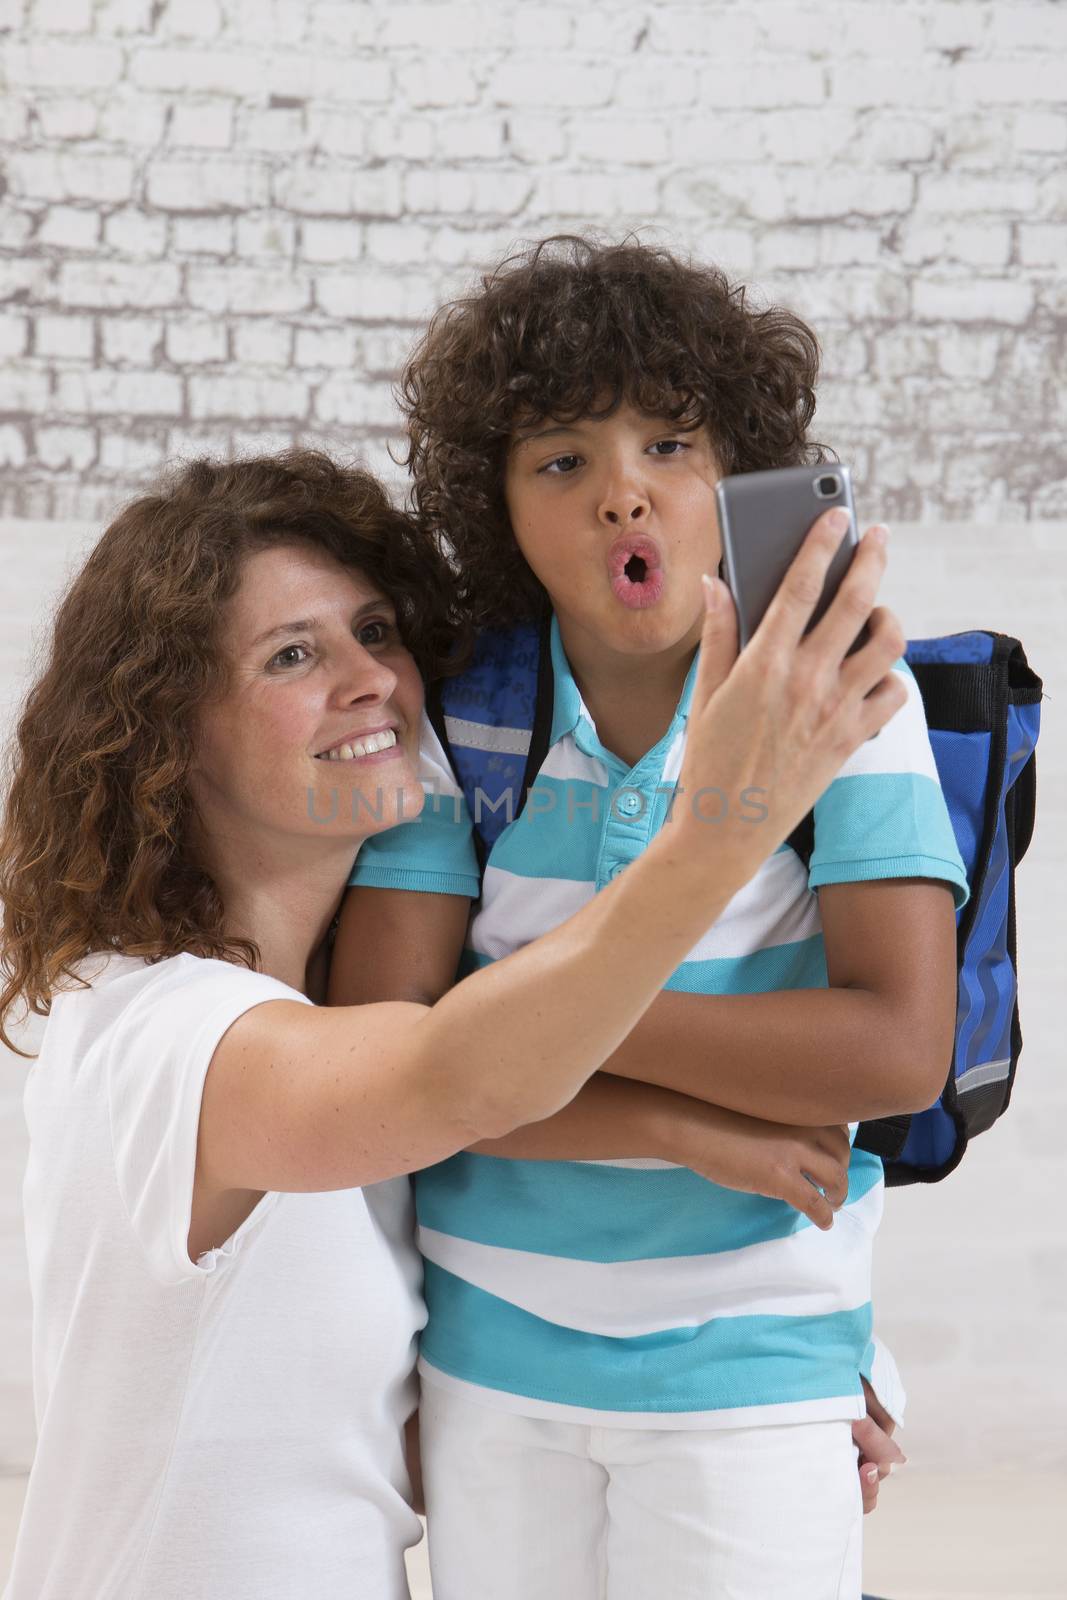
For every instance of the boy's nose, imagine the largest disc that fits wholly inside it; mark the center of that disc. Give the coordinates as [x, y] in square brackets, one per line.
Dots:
[622, 507]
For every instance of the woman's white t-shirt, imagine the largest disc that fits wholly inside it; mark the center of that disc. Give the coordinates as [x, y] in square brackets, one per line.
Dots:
[228, 1429]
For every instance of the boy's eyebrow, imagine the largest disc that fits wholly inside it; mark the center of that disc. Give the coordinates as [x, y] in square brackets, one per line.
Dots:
[546, 433]
[308, 624]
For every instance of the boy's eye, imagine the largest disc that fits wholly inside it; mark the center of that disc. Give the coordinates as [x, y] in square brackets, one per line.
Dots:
[669, 447]
[562, 465]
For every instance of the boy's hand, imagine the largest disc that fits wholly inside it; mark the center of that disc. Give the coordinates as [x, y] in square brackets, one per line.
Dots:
[768, 1158]
[878, 1451]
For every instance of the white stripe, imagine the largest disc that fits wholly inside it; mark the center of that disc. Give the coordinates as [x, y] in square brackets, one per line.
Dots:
[516, 910]
[775, 907]
[565, 761]
[672, 766]
[903, 745]
[807, 1274]
[480, 736]
[845, 1407]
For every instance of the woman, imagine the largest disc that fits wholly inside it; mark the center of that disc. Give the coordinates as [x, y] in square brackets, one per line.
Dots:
[225, 1312]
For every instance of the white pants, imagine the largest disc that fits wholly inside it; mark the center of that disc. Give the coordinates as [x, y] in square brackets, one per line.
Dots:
[524, 1509]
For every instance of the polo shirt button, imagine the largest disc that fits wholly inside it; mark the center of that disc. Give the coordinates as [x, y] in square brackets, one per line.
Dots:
[629, 803]
[619, 866]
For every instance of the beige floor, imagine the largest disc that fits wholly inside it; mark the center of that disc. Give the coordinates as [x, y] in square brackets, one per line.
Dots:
[975, 1536]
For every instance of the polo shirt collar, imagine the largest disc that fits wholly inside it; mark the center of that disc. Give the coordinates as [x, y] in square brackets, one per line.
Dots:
[568, 707]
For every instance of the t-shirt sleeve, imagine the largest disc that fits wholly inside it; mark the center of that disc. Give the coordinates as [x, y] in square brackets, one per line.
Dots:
[158, 1054]
[434, 852]
[884, 815]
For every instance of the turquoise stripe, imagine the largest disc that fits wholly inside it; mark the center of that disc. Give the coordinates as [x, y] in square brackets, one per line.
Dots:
[561, 839]
[731, 1361]
[800, 964]
[437, 842]
[885, 820]
[593, 1213]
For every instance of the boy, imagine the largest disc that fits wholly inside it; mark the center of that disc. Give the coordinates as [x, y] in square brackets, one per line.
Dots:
[636, 1381]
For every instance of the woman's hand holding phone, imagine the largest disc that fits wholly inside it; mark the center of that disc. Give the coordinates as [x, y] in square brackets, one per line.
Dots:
[771, 726]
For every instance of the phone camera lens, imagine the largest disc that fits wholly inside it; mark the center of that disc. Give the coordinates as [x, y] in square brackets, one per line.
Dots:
[828, 486]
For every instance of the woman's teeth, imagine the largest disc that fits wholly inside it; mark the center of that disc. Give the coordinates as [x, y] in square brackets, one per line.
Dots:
[362, 747]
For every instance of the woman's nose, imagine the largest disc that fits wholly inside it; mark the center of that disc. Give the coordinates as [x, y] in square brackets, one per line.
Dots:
[366, 676]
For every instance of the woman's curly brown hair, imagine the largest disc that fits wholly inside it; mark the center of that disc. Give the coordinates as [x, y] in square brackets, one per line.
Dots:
[95, 848]
[572, 328]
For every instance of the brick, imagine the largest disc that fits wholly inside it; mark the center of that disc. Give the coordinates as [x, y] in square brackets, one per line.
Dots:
[397, 242]
[964, 194]
[844, 246]
[641, 142]
[195, 341]
[226, 395]
[63, 337]
[545, 81]
[207, 125]
[135, 233]
[69, 228]
[133, 120]
[66, 119]
[1009, 83]
[466, 138]
[73, 16]
[763, 85]
[787, 247]
[1028, 27]
[351, 401]
[263, 441]
[978, 143]
[878, 83]
[24, 280]
[339, 191]
[972, 299]
[16, 227]
[1043, 245]
[728, 136]
[197, 71]
[339, 22]
[433, 28]
[133, 339]
[980, 244]
[131, 455]
[46, 64]
[14, 334]
[886, 138]
[968, 353]
[535, 139]
[409, 138]
[60, 175]
[327, 78]
[189, 443]
[903, 352]
[247, 289]
[800, 135]
[441, 81]
[470, 246]
[331, 241]
[117, 284]
[959, 26]
[206, 185]
[191, 19]
[265, 234]
[575, 194]
[281, 129]
[377, 295]
[123, 16]
[1041, 131]
[65, 446]
[262, 343]
[13, 451]
[116, 393]
[384, 351]
[25, 389]
[202, 236]
[325, 347]
[14, 117]
[336, 133]
[283, 22]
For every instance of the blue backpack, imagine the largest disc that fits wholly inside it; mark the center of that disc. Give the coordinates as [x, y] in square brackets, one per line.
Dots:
[983, 711]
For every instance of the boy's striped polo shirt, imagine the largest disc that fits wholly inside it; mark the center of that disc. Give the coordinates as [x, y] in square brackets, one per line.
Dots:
[635, 1292]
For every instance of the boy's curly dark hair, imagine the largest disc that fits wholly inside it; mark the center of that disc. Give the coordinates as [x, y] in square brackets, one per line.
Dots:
[571, 328]
[95, 847]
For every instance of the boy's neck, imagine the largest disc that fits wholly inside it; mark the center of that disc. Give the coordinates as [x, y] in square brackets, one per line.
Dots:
[631, 698]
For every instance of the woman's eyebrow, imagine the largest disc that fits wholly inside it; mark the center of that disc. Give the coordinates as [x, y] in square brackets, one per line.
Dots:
[308, 624]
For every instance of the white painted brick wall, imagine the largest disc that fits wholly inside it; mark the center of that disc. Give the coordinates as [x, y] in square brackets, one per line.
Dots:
[279, 183]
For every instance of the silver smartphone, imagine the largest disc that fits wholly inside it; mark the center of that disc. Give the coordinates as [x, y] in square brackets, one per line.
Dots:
[764, 518]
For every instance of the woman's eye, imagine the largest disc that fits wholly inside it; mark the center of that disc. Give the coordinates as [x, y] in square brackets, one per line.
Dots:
[383, 631]
[669, 447]
[564, 464]
[288, 657]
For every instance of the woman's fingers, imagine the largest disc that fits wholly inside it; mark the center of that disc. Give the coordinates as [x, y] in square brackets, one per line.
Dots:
[783, 623]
